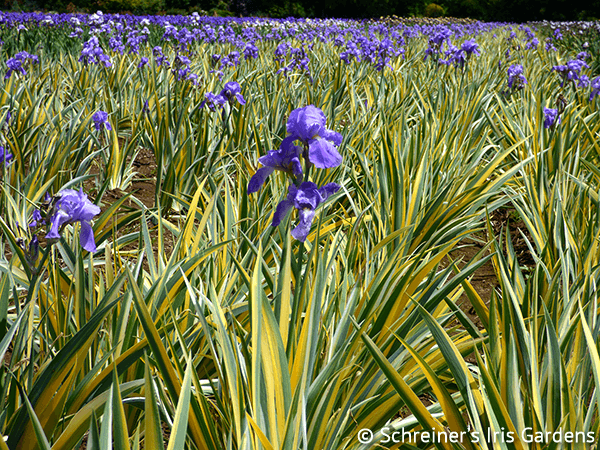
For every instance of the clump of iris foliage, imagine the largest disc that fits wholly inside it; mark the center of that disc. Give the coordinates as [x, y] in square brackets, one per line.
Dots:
[289, 272]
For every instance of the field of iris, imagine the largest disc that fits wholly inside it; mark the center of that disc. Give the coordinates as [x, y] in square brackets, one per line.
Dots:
[266, 234]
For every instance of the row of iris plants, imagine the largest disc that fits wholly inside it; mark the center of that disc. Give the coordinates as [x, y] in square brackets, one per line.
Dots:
[252, 233]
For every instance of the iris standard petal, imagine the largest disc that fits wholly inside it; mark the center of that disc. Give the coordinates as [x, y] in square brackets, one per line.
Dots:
[328, 190]
[86, 210]
[323, 154]
[306, 122]
[333, 136]
[258, 179]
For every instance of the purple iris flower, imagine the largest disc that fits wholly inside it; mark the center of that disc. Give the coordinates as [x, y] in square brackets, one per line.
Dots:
[14, 65]
[533, 43]
[583, 55]
[19, 62]
[100, 119]
[584, 81]
[233, 90]
[571, 71]
[308, 126]
[74, 206]
[251, 51]
[213, 101]
[305, 198]
[5, 156]
[516, 79]
[285, 159]
[470, 47]
[575, 65]
[92, 53]
[551, 117]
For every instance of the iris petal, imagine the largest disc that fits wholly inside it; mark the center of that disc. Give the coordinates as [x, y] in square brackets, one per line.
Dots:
[281, 211]
[258, 179]
[86, 237]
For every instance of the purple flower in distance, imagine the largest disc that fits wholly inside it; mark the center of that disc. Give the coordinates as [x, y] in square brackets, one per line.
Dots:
[73, 206]
[308, 126]
[551, 117]
[285, 159]
[233, 90]
[305, 198]
[100, 119]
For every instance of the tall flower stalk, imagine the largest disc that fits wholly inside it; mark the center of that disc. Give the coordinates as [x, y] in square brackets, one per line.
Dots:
[319, 149]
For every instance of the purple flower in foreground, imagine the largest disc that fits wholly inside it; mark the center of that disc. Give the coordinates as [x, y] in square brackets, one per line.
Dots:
[551, 117]
[73, 206]
[100, 119]
[305, 198]
[308, 126]
[285, 159]
[233, 90]
[5, 156]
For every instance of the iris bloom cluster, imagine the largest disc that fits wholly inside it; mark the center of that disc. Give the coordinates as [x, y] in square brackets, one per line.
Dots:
[19, 62]
[318, 147]
[516, 79]
[551, 117]
[460, 56]
[572, 72]
[230, 92]
[92, 53]
[72, 206]
[100, 119]
[67, 207]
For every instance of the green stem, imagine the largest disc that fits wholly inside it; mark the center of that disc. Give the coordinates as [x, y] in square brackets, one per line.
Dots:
[36, 274]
